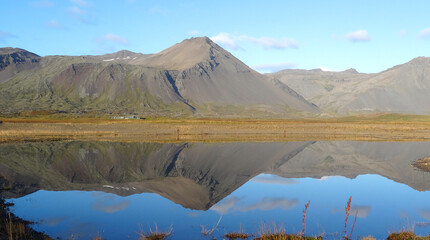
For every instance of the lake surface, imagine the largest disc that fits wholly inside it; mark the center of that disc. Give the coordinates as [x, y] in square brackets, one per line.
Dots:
[80, 190]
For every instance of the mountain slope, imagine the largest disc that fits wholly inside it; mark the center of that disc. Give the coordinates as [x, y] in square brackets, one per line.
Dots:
[206, 73]
[80, 84]
[313, 84]
[401, 89]
[350, 159]
[195, 76]
[15, 60]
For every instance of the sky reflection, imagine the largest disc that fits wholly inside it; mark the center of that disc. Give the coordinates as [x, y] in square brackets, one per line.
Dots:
[382, 205]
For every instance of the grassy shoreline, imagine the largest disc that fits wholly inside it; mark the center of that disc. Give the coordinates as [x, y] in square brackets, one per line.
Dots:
[390, 127]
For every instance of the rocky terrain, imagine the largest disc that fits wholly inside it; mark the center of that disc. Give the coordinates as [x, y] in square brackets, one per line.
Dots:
[195, 77]
[401, 89]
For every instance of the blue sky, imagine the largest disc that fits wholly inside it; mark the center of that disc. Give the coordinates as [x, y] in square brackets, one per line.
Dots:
[269, 35]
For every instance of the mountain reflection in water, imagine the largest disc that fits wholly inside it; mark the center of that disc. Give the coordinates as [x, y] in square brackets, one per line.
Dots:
[201, 176]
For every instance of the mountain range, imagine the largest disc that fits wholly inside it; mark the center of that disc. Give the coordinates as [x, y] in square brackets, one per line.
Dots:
[196, 77]
[404, 89]
[197, 175]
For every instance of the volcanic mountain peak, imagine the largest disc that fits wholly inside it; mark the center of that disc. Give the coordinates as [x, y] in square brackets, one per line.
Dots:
[185, 55]
[196, 71]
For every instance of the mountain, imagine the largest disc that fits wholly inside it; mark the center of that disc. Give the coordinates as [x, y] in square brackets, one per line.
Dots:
[401, 89]
[197, 175]
[15, 60]
[195, 77]
[206, 73]
[392, 160]
[316, 83]
[194, 175]
[123, 56]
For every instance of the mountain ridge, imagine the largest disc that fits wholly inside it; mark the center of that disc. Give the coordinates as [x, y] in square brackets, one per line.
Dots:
[197, 77]
[400, 89]
[209, 83]
[197, 175]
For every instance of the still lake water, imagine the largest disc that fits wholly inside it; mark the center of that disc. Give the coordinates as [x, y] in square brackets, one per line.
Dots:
[80, 190]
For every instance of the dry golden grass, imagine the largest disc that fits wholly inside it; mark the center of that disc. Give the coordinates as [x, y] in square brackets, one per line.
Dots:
[406, 236]
[215, 130]
[155, 235]
[234, 235]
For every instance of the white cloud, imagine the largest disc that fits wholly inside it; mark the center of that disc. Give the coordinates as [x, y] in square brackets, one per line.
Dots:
[403, 32]
[358, 36]
[54, 24]
[99, 206]
[425, 33]
[271, 203]
[232, 41]
[225, 206]
[81, 3]
[325, 69]
[159, 10]
[41, 4]
[422, 224]
[114, 38]
[52, 222]
[79, 12]
[227, 40]
[75, 10]
[424, 213]
[324, 178]
[272, 179]
[273, 67]
[194, 33]
[5, 36]
[271, 43]
[361, 211]
[230, 205]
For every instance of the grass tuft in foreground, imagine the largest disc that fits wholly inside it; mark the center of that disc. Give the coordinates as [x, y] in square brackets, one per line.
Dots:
[406, 236]
[155, 234]
[276, 232]
[283, 236]
[237, 235]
